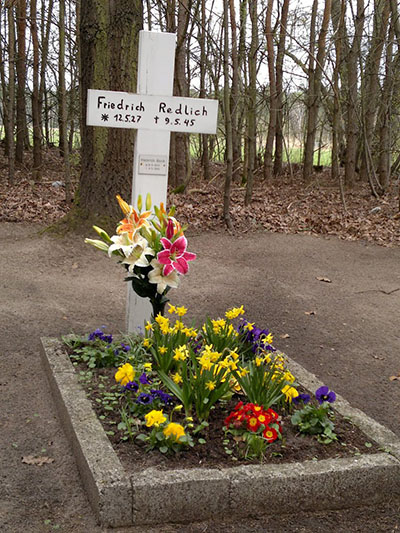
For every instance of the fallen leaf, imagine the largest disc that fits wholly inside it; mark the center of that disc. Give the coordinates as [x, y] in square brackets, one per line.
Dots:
[309, 312]
[327, 280]
[284, 336]
[75, 265]
[393, 378]
[39, 461]
[377, 357]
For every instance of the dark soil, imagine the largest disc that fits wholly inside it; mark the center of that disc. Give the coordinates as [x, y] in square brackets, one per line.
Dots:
[293, 447]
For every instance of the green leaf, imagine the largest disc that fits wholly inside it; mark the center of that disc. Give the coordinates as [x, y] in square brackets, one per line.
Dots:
[163, 449]
[368, 445]
[201, 441]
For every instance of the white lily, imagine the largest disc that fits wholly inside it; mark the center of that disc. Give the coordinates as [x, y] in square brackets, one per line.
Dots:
[156, 276]
[134, 250]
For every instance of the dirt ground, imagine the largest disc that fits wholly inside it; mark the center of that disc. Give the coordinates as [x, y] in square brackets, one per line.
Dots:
[346, 331]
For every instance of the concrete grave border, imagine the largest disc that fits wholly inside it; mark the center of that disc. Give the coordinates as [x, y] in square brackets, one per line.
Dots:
[159, 497]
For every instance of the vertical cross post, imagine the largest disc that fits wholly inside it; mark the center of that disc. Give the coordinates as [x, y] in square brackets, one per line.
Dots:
[155, 77]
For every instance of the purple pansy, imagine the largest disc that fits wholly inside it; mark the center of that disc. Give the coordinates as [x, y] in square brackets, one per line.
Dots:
[144, 398]
[144, 380]
[131, 386]
[163, 396]
[305, 398]
[323, 394]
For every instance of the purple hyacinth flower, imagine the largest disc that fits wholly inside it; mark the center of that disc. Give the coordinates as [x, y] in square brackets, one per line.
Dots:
[144, 380]
[144, 398]
[305, 398]
[323, 394]
[125, 347]
[131, 386]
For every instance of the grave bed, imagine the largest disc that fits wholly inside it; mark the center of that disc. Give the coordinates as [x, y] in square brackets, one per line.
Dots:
[158, 497]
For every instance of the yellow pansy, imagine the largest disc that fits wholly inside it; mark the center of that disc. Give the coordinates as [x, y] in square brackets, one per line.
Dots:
[155, 418]
[290, 393]
[174, 430]
[148, 367]
[125, 374]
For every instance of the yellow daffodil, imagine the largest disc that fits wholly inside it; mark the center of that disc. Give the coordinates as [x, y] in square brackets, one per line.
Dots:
[147, 342]
[210, 385]
[149, 326]
[181, 311]
[162, 350]
[172, 309]
[125, 374]
[234, 312]
[177, 378]
[155, 418]
[181, 353]
[249, 326]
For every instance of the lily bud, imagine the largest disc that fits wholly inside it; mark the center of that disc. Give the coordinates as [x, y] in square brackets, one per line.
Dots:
[103, 234]
[139, 203]
[148, 202]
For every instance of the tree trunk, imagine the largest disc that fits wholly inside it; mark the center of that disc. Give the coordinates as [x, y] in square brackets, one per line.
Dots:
[228, 122]
[278, 162]
[21, 78]
[338, 18]
[352, 114]
[251, 115]
[11, 94]
[108, 47]
[370, 89]
[205, 156]
[234, 98]
[314, 93]
[62, 100]
[37, 133]
[269, 34]
[180, 175]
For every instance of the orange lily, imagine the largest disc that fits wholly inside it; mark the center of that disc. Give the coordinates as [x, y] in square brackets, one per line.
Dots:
[133, 221]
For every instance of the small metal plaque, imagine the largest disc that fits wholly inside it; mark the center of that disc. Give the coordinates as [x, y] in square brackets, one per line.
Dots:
[153, 164]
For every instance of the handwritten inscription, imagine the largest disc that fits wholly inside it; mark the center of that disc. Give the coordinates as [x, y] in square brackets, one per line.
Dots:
[173, 113]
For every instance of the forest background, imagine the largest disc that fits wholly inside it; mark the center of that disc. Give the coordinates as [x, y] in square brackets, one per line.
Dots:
[308, 133]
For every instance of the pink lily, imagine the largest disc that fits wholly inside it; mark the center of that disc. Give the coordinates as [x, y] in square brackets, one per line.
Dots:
[174, 256]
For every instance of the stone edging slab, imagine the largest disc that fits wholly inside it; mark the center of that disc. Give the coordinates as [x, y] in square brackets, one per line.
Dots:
[157, 497]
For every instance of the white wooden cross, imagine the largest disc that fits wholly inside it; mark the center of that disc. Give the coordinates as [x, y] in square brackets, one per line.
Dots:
[154, 112]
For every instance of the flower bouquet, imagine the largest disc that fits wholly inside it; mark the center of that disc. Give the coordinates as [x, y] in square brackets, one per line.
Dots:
[151, 246]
